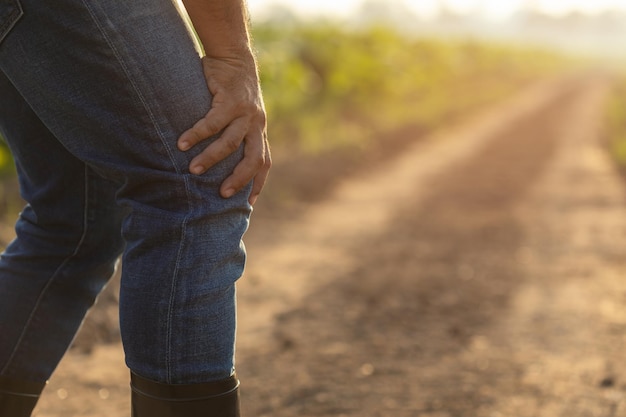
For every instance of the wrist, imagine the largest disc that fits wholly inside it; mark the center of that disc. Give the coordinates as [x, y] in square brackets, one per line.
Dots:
[242, 52]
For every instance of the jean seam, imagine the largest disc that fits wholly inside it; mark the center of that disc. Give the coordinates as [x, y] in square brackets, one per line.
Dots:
[183, 228]
[54, 276]
[132, 82]
[11, 20]
[171, 305]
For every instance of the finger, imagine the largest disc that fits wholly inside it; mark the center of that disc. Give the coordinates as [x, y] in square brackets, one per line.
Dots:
[225, 145]
[260, 179]
[212, 123]
[248, 168]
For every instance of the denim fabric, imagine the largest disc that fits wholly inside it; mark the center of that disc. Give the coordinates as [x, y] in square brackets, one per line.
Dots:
[93, 96]
[10, 12]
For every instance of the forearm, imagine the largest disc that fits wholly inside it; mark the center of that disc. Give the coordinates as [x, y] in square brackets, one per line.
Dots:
[222, 26]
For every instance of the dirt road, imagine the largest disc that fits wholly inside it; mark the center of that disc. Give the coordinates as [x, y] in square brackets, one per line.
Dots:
[479, 274]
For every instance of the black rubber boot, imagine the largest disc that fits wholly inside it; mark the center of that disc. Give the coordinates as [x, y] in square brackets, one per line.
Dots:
[18, 398]
[213, 399]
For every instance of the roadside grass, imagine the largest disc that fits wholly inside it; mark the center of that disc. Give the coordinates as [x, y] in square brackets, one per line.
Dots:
[615, 123]
[339, 100]
[328, 88]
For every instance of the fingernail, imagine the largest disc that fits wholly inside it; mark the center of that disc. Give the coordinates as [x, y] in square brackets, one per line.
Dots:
[183, 146]
[197, 169]
[229, 192]
[253, 199]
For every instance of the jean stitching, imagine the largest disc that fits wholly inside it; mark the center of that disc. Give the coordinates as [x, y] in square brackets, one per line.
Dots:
[132, 82]
[11, 20]
[161, 136]
[53, 277]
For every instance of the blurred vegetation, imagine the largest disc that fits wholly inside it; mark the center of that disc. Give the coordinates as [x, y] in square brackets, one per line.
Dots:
[340, 100]
[329, 88]
[7, 167]
[10, 200]
[615, 123]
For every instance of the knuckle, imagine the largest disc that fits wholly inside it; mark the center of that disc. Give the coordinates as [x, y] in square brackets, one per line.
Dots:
[211, 155]
[259, 161]
[231, 144]
[196, 136]
[260, 116]
[211, 126]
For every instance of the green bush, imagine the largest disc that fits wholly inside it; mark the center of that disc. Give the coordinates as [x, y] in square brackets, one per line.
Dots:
[326, 87]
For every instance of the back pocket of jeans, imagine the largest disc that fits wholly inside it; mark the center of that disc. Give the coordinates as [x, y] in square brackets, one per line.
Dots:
[10, 13]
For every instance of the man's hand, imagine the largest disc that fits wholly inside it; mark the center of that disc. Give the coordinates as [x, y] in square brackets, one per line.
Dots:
[237, 111]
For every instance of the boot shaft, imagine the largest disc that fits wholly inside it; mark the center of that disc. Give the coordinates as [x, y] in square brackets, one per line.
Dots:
[213, 399]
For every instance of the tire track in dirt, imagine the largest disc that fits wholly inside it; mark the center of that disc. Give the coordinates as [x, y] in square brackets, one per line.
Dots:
[566, 333]
[433, 317]
[290, 257]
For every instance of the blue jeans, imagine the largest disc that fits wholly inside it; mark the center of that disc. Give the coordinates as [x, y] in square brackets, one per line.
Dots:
[93, 96]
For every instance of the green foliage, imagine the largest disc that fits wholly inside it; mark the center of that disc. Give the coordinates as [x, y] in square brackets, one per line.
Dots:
[7, 168]
[326, 87]
[615, 122]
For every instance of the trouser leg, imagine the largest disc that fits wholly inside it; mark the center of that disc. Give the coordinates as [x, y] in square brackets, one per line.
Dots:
[67, 242]
[125, 80]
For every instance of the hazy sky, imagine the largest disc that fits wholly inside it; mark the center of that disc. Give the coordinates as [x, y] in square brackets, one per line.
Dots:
[490, 8]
